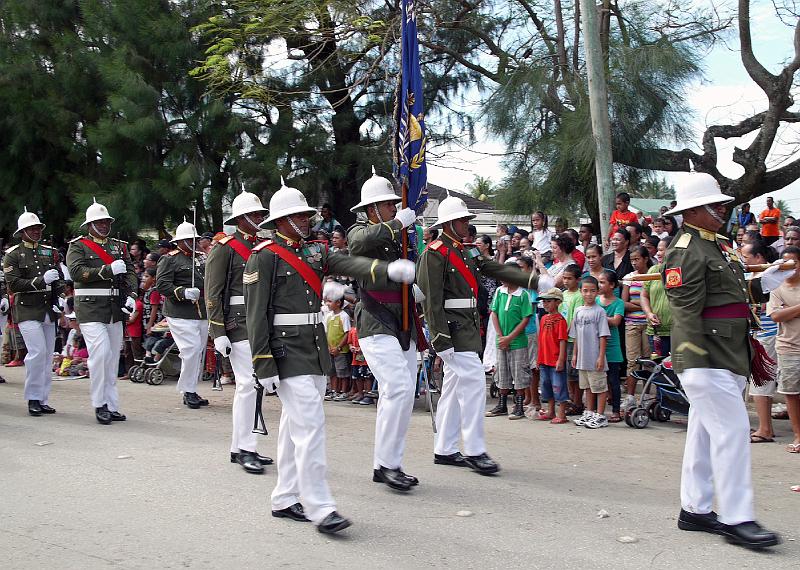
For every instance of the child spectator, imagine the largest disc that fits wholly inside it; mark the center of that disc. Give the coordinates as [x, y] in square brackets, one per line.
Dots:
[637, 344]
[572, 300]
[590, 331]
[552, 358]
[784, 308]
[622, 216]
[134, 331]
[531, 402]
[511, 311]
[656, 307]
[615, 311]
[359, 370]
[337, 324]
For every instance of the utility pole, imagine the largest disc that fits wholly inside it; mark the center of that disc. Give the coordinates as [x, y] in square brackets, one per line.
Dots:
[598, 105]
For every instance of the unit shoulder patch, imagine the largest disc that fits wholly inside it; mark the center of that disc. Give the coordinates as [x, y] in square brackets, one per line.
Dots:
[683, 241]
[673, 277]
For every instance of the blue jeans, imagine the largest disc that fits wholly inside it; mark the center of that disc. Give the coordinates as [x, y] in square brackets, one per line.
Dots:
[553, 384]
[613, 384]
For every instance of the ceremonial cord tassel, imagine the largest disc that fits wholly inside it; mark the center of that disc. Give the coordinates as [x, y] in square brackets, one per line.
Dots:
[259, 425]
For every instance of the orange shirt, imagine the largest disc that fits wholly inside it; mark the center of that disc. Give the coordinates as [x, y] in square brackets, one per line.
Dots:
[770, 229]
[622, 219]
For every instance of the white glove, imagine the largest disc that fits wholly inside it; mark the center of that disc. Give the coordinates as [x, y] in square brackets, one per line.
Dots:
[406, 216]
[270, 384]
[772, 278]
[118, 267]
[49, 276]
[56, 309]
[401, 271]
[3, 306]
[448, 354]
[130, 304]
[333, 291]
[192, 294]
[222, 344]
[419, 296]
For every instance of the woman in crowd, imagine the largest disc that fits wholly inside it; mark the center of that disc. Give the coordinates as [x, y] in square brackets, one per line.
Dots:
[636, 342]
[561, 246]
[619, 259]
[594, 261]
[656, 307]
[671, 225]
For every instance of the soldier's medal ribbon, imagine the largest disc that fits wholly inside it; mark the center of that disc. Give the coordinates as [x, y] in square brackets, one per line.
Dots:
[674, 277]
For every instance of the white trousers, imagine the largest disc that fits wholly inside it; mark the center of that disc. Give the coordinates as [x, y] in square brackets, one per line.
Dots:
[462, 406]
[301, 448]
[716, 459]
[244, 399]
[396, 373]
[40, 340]
[103, 341]
[191, 338]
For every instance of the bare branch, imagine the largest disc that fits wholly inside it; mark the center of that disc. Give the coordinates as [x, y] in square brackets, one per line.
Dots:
[755, 70]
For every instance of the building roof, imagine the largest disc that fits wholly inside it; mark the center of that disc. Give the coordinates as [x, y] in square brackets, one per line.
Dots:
[439, 193]
[649, 205]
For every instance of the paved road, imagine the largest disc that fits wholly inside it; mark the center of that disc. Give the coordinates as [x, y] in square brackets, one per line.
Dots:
[174, 501]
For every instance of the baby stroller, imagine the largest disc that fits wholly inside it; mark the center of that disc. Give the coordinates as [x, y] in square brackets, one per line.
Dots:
[669, 397]
[154, 373]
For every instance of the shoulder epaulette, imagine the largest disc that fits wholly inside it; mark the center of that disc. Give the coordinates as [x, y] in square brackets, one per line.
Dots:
[174, 252]
[683, 241]
[77, 239]
[226, 239]
[436, 244]
[262, 245]
[12, 248]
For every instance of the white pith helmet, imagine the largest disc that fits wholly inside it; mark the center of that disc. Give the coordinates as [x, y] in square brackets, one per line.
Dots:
[26, 220]
[698, 189]
[375, 189]
[285, 202]
[452, 208]
[185, 230]
[95, 212]
[244, 203]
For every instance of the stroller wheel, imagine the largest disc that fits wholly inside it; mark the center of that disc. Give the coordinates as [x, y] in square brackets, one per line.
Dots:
[207, 376]
[156, 376]
[139, 375]
[651, 410]
[132, 372]
[639, 418]
[662, 415]
[148, 375]
[628, 417]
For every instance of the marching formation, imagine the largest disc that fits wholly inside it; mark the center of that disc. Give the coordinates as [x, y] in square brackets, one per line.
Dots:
[260, 300]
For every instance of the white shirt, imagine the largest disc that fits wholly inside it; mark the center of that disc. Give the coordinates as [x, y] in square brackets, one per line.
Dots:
[540, 239]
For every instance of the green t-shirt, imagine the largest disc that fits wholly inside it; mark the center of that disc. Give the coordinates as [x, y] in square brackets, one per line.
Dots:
[613, 346]
[659, 305]
[510, 309]
[572, 300]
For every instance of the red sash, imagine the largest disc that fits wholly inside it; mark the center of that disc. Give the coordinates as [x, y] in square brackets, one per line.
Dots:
[456, 261]
[240, 248]
[105, 257]
[306, 272]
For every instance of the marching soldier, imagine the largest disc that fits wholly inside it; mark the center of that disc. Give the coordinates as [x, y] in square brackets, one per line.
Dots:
[31, 274]
[390, 353]
[283, 294]
[448, 275]
[224, 291]
[708, 295]
[105, 292]
[178, 277]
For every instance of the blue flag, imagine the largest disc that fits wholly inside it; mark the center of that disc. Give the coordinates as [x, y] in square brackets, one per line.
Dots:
[410, 138]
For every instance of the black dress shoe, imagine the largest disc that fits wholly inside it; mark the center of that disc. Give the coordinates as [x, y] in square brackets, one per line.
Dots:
[35, 408]
[410, 478]
[192, 400]
[47, 409]
[750, 535]
[482, 463]
[706, 522]
[392, 477]
[333, 523]
[455, 459]
[103, 415]
[294, 512]
[201, 401]
[262, 458]
[117, 416]
[249, 462]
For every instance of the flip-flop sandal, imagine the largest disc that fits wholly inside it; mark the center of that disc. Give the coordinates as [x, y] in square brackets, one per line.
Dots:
[559, 421]
[615, 419]
[793, 448]
[760, 439]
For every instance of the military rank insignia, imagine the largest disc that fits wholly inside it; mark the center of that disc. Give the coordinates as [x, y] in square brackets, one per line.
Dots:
[673, 277]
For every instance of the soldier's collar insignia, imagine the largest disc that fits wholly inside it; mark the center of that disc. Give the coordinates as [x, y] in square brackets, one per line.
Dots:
[456, 242]
[673, 277]
[289, 241]
[29, 244]
[99, 240]
[247, 237]
[704, 234]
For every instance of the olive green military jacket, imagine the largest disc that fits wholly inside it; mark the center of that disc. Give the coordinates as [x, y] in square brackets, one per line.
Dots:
[273, 287]
[378, 241]
[24, 266]
[88, 272]
[173, 277]
[223, 281]
[702, 270]
[440, 281]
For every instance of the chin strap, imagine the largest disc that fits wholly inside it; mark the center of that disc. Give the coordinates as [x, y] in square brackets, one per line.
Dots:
[255, 227]
[99, 233]
[713, 214]
[378, 213]
[295, 228]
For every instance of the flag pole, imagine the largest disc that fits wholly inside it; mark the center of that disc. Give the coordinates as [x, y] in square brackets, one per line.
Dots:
[404, 243]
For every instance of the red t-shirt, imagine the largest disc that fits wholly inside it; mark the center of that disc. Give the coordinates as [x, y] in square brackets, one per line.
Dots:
[135, 328]
[579, 257]
[358, 356]
[622, 219]
[552, 330]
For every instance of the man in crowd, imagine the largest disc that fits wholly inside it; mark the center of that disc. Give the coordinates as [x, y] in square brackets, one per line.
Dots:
[31, 274]
[770, 222]
[283, 295]
[178, 278]
[391, 353]
[105, 293]
[328, 223]
[708, 295]
[448, 277]
[224, 292]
